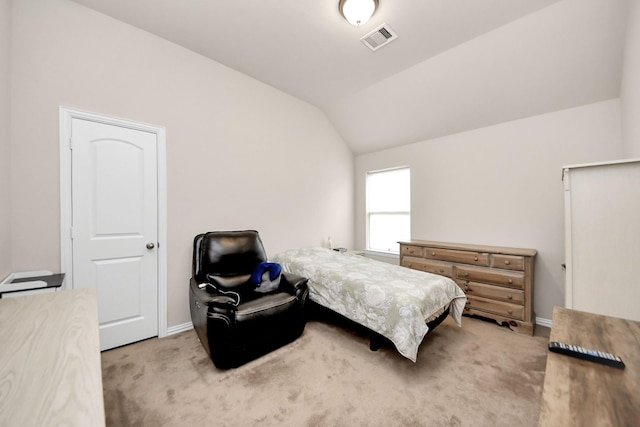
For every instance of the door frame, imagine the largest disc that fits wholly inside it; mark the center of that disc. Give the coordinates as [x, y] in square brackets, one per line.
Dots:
[66, 254]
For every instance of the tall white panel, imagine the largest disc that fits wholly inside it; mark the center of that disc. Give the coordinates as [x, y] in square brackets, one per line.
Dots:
[602, 238]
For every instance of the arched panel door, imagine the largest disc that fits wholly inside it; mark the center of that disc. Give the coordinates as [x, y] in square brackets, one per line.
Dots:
[115, 227]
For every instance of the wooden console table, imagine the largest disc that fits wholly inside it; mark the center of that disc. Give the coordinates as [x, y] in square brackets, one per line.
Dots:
[50, 372]
[582, 393]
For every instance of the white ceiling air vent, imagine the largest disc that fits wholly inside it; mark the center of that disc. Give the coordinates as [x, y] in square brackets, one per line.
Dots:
[379, 37]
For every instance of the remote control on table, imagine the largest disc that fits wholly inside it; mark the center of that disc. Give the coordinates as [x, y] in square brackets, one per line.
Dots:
[586, 354]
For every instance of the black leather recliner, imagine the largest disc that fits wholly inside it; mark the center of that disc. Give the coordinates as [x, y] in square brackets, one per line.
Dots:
[235, 322]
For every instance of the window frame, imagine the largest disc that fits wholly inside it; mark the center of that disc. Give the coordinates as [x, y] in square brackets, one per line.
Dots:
[369, 212]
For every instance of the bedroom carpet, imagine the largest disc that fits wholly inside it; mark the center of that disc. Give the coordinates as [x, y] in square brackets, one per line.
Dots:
[477, 375]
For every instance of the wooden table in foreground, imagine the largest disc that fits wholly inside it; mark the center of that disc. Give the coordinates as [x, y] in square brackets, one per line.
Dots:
[582, 393]
[50, 372]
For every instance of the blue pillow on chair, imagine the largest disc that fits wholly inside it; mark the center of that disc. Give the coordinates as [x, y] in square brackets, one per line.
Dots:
[266, 276]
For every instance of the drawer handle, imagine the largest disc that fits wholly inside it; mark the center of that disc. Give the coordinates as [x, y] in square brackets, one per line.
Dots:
[466, 274]
[409, 265]
[510, 282]
[507, 262]
[441, 271]
[510, 311]
[433, 254]
[475, 258]
[509, 296]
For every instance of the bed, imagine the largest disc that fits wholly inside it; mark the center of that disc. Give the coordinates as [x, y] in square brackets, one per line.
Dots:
[393, 301]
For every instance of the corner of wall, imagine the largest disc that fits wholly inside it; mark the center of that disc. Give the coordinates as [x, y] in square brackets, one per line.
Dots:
[5, 146]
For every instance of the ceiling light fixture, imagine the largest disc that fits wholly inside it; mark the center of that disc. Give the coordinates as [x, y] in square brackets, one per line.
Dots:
[357, 12]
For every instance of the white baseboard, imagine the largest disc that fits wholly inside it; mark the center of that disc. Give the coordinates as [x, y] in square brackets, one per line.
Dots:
[171, 330]
[543, 322]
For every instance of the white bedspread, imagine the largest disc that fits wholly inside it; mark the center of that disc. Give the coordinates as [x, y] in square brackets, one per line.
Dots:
[391, 300]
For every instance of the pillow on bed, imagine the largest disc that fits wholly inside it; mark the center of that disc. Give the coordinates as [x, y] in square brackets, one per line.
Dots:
[266, 277]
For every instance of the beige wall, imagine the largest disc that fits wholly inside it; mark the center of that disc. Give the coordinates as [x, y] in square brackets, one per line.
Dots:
[240, 154]
[630, 90]
[501, 185]
[5, 164]
[245, 141]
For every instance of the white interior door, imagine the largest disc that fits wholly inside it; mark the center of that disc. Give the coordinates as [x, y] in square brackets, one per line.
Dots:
[114, 192]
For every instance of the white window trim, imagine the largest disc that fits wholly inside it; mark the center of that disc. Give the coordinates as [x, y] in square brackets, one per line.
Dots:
[378, 252]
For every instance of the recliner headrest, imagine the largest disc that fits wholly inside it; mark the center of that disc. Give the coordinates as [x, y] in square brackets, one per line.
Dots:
[227, 253]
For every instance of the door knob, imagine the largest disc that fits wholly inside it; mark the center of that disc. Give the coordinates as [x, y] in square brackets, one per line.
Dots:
[150, 245]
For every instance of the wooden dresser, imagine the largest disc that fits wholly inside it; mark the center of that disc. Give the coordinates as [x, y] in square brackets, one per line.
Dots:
[498, 281]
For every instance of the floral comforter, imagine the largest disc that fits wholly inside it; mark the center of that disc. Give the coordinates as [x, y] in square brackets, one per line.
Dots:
[391, 300]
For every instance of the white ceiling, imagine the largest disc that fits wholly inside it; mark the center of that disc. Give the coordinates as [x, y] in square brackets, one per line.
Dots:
[457, 65]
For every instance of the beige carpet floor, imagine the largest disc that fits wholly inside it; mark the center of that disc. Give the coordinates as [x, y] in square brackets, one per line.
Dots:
[478, 375]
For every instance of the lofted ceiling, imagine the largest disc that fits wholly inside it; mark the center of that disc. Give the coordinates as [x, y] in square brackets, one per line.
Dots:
[456, 65]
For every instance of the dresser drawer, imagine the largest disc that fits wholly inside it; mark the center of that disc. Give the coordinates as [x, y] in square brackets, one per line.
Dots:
[436, 267]
[511, 262]
[498, 293]
[411, 250]
[504, 309]
[465, 257]
[512, 279]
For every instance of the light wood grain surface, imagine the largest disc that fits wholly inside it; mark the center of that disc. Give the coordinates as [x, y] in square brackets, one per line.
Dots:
[50, 371]
[582, 393]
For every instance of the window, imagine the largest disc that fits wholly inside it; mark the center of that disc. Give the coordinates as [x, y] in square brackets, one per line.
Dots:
[388, 209]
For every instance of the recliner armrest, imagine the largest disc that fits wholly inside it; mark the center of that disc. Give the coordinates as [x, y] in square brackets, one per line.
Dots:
[208, 294]
[296, 283]
[295, 280]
